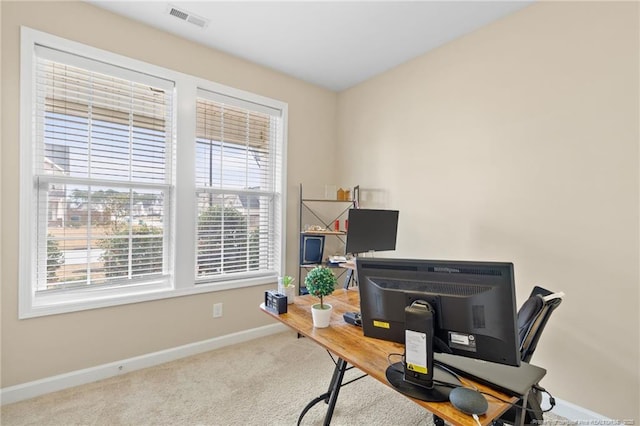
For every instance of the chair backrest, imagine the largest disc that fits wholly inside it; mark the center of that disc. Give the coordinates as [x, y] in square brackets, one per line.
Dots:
[532, 318]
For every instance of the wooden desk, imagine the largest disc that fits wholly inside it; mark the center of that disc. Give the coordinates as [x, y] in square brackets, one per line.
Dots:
[367, 354]
[349, 264]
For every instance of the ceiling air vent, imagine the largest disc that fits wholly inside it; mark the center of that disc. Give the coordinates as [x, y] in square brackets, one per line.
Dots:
[187, 16]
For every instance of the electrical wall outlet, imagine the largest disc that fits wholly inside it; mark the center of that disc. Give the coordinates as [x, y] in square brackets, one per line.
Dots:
[217, 310]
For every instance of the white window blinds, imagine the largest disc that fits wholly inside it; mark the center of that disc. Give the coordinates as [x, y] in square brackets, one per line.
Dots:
[238, 187]
[103, 173]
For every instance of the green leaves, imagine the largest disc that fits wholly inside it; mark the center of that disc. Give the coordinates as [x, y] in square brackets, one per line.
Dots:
[287, 280]
[320, 282]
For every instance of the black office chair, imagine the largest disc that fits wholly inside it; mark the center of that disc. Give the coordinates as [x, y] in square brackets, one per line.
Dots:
[531, 319]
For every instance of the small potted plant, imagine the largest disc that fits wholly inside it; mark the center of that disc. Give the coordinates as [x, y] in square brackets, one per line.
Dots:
[286, 287]
[320, 282]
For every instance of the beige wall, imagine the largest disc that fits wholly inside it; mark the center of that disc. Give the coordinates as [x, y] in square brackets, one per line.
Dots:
[519, 143]
[41, 347]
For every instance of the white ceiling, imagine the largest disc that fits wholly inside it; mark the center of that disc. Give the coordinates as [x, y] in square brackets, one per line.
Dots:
[335, 45]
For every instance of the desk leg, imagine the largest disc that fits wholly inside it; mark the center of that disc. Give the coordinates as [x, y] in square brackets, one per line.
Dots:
[535, 410]
[521, 413]
[334, 388]
[331, 396]
[347, 280]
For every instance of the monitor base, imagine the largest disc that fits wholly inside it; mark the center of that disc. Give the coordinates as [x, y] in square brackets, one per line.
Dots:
[438, 393]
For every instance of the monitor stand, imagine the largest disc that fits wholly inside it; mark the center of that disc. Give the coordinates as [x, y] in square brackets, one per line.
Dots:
[418, 378]
[435, 393]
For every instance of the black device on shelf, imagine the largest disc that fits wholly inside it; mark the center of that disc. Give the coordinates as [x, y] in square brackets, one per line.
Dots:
[311, 249]
[371, 230]
[458, 307]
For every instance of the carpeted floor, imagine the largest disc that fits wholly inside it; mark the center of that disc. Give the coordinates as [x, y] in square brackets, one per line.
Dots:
[267, 381]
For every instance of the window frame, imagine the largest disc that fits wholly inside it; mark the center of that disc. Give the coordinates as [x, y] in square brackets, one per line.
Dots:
[182, 278]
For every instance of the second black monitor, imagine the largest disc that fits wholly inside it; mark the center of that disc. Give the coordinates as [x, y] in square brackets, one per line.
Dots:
[371, 230]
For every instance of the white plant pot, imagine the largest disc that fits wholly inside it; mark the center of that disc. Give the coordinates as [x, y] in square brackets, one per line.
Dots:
[289, 291]
[321, 317]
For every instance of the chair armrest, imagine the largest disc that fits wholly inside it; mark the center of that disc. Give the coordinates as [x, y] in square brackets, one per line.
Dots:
[558, 295]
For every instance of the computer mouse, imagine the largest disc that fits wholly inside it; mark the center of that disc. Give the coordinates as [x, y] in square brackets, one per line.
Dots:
[468, 401]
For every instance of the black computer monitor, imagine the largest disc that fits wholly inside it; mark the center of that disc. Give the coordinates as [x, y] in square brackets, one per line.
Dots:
[460, 307]
[371, 230]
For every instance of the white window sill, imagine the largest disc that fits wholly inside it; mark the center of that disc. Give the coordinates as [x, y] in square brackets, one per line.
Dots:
[53, 304]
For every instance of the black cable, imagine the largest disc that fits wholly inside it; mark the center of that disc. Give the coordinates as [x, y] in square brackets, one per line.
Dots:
[552, 400]
[392, 363]
[454, 374]
[311, 404]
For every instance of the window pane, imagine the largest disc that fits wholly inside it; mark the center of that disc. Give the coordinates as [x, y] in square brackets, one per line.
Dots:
[109, 128]
[133, 252]
[98, 234]
[233, 234]
[233, 147]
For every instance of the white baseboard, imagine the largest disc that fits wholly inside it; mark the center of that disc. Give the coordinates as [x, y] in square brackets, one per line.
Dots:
[79, 377]
[88, 375]
[574, 412]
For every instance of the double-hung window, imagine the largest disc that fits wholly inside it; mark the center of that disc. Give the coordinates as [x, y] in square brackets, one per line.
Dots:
[101, 177]
[128, 195]
[238, 194]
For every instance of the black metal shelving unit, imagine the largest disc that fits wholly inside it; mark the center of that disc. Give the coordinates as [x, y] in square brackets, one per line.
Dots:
[313, 208]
